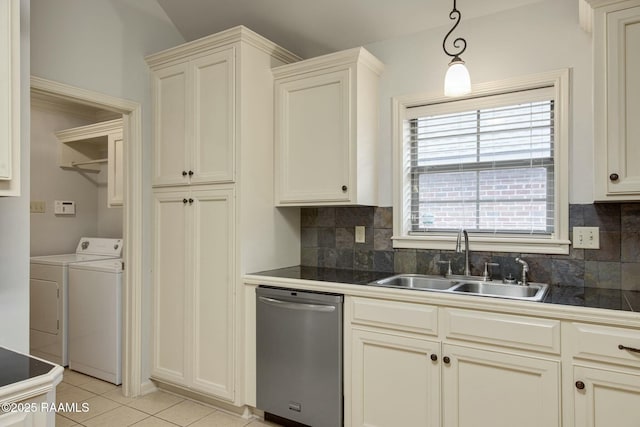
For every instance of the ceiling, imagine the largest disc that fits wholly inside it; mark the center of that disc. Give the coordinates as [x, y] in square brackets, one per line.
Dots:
[315, 27]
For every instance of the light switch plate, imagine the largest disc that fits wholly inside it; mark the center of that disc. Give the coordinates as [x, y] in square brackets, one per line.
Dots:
[37, 206]
[586, 237]
[360, 238]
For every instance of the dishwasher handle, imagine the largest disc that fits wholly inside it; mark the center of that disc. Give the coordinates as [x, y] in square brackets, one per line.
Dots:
[297, 305]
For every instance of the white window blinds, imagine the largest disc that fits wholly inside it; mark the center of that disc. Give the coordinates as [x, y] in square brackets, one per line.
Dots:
[484, 164]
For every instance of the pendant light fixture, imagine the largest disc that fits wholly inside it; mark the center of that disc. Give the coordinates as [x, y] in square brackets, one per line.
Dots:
[457, 81]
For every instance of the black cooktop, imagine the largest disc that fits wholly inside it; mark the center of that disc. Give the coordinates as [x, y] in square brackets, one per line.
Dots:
[16, 367]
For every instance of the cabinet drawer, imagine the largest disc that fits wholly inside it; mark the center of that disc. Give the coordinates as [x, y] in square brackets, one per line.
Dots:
[505, 330]
[404, 316]
[601, 343]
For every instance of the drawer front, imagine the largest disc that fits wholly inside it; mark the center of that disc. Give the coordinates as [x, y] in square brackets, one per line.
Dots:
[505, 330]
[404, 316]
[602, 343]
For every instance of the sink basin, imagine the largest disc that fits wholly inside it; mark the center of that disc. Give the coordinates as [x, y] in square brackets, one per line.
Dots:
[462, 285]
[416, 281]
[533, 292]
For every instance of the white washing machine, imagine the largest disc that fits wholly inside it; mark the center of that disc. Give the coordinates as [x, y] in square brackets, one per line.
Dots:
[95, 319]
[49, 295]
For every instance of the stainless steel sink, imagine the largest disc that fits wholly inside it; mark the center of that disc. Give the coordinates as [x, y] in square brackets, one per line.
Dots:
[462, 285]
[532, 292]
[417, 281]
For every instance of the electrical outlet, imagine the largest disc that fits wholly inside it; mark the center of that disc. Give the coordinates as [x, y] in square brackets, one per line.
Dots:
[586, 237]
[360, 234]
[37, 206]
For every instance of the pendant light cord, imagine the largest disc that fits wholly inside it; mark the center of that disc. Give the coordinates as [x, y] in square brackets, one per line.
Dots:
[454, 15]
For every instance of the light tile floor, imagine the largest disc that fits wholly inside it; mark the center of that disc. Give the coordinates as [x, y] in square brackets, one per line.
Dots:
[109, 408]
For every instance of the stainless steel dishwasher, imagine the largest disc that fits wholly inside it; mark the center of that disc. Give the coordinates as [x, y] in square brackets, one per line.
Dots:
[299, 355]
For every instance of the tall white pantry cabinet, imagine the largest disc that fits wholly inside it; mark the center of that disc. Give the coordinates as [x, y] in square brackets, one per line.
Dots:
[213, 211]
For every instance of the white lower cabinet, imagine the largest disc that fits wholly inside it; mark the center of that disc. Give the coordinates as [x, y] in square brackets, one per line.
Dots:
[394, 380]
[605, 398]
[402, 377]
[605, 386]
[497, 389]
[193, 315]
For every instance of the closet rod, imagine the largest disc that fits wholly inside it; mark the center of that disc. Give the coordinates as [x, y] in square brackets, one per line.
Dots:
[89, 162]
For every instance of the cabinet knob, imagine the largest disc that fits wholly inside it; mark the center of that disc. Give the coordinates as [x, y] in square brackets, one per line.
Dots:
[190, 173]
[434, 357]
[184, 201]
[184, 173]
[579, 385]
[344, 188]
[190, 201]
[614, 177]
[446, 360]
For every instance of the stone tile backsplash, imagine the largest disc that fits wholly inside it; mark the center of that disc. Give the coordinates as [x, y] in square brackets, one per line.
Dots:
[328, 240]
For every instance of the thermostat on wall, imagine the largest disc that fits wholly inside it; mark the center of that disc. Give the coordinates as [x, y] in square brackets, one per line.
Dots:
[64, 207]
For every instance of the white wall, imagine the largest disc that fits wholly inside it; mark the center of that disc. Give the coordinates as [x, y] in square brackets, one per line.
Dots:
[536, 38]
[50, 233]
[109, 220]
[100, 45]
[14, 224]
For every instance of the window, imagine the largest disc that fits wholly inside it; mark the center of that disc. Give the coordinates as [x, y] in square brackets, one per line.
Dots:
[495, 165]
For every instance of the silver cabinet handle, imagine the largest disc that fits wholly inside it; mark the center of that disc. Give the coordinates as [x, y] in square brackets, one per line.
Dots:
[297, 305]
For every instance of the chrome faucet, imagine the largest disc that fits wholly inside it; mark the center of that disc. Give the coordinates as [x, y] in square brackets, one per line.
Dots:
[525, 270]
[461, 232]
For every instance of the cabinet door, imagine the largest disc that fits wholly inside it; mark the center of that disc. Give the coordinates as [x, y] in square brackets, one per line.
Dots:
[212, 151]
[170, 125]
[394, 381]
[10, 96]
[617, 77]
[313, 134]
[607, 398]
[487, 388]
[170, 286]
[213, 277]
[115, 170]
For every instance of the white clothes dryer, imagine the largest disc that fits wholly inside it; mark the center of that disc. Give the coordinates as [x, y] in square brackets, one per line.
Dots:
[49, 295]
[95, 319]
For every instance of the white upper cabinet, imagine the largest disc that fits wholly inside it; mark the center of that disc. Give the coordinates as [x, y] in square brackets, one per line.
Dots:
[616, 34]
[326, 127]
[10, 98]
[194, 101]
[85, 148]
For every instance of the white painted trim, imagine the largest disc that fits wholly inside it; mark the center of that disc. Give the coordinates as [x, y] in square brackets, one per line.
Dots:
[586, 9]
[43, 102]
[230, 36]
[132, 223]
[358, 55]
[559, 244]
[89, 131]
[147, 387]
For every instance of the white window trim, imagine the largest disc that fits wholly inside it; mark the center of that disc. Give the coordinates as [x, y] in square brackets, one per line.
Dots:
[558, 242]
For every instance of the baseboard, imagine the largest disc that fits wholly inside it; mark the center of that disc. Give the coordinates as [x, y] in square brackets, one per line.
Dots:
[147, 387]
[242, 411]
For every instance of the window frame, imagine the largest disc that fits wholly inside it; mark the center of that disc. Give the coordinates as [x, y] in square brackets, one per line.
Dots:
[556, 243]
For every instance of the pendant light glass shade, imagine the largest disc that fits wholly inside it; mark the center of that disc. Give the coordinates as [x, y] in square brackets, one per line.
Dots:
[457, 81]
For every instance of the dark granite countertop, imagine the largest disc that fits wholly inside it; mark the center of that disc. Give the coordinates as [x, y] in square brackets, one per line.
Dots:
[611, 299]
[16, 367]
